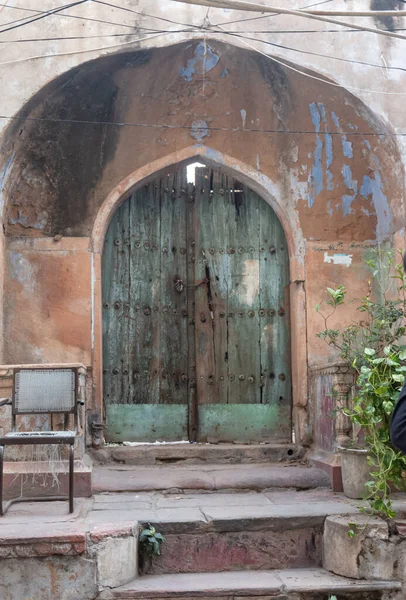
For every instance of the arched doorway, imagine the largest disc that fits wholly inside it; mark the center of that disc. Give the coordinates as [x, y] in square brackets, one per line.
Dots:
[195, 287]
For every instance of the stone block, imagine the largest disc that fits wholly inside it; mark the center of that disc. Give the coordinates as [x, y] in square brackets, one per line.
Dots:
[354, 557]
[50, 578]
[229, 551]
[115, 550]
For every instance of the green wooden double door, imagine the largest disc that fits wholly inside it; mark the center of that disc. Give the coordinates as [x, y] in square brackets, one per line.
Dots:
[196, 315]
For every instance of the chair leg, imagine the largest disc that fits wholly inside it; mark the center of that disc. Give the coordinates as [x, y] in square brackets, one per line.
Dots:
[1, 479]
[71, 472]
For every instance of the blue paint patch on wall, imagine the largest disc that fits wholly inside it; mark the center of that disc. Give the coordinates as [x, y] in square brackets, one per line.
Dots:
[224, 73]
[3, 175]
[373, 188]
[316, 175]
[203, 61]
[346, 145]
[315, 116]
[328, 140]
[351, 184]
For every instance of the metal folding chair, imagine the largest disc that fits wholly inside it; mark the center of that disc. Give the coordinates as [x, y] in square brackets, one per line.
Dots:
[42, 391]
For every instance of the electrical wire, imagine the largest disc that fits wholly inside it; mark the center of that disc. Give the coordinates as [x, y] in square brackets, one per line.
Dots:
[142, 14]
[208, 128]
[329, 56]
[44, 15]
[243, 5]
[93, 20]
[90, 37]
[84, 51]
[327, 81]
[242, 38]
[275, 14]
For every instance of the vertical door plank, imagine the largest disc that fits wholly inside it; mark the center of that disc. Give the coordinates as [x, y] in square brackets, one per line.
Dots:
[173, 302]
[116, 296]
[275, 342]
[204, 311]
[218, 265]
[145, 291]
[243, 301]
[191, 230]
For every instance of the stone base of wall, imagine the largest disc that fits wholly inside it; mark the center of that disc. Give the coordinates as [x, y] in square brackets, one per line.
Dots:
[33, 479]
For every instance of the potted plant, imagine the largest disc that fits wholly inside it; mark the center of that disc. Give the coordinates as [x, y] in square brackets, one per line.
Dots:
[355, 469]
[374, 348]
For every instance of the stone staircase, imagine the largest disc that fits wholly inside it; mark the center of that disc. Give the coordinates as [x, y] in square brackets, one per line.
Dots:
[205, 467]
[239, 522]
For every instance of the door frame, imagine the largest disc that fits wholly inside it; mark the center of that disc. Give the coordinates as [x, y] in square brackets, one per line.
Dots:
[273, 194]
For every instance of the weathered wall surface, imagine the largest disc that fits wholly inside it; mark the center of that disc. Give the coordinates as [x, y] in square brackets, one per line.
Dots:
[47, 303]
[327, 155]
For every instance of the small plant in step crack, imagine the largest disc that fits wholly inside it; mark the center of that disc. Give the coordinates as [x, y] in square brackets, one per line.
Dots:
[373, 346]
[150, 542]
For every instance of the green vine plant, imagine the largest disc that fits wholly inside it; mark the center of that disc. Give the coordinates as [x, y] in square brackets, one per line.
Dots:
[150, 542]
[374, 347]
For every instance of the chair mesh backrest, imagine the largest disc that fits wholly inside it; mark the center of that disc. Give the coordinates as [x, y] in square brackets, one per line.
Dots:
[44, 390]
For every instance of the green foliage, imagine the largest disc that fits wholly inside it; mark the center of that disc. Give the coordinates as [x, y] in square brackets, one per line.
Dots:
[150, 542]
[374, 348]
[332, 598]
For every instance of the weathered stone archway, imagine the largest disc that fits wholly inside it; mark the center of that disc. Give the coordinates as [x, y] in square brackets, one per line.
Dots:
[270, 193]
[326, 164]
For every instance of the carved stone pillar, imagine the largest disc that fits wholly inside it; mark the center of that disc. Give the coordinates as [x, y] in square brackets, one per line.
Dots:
[343, 426]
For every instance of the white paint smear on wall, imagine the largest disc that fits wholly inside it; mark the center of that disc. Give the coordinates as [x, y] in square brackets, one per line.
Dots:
[338, 259]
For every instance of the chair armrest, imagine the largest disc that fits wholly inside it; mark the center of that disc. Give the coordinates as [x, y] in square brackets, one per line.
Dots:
[5, 401]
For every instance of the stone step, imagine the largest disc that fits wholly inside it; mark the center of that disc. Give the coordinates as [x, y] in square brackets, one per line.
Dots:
[212, 477]
[222, 532]
[34, 479]
[293, 584]
[160, 454]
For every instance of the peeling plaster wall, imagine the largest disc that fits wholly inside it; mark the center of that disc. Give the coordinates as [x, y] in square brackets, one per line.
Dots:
[338, 190]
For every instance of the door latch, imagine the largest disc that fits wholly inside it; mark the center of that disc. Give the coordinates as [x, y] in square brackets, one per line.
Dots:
[179, 285]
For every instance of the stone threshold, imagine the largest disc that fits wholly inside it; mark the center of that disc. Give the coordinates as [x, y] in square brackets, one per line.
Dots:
[244, 584]
[196, 453]
[208, 477]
